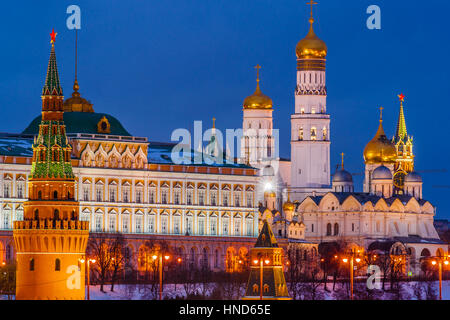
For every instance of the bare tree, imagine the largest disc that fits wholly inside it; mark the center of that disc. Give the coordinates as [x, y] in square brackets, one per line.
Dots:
[98, 248]
[117, 258]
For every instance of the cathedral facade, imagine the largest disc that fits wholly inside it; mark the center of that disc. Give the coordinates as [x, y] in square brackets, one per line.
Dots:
[325, 208]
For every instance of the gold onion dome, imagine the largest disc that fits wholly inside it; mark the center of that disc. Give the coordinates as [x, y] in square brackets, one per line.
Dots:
[380, 149]
[311, 47]
[288, 206]
[258, 100]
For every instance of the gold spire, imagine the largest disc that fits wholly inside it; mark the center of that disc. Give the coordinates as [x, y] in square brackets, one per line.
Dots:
[76, 103]
[214, 122]
[380, 149]
[258, 100]
[342, 160]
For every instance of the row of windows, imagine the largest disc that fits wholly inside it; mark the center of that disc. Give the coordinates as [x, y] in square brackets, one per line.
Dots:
[313, 134]
[175, 225]
[8, 190]
[216, 198]
[57, 264]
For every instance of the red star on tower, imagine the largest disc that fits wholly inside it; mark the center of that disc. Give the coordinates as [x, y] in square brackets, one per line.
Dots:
[53, 36]
[401, 96]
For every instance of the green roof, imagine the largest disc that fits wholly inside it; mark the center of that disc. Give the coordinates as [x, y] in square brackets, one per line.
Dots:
[82, 122]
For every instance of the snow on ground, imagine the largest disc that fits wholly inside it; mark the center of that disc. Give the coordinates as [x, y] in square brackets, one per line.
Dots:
[140, 292]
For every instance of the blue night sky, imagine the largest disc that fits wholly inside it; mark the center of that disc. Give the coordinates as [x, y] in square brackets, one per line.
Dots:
[160, 65]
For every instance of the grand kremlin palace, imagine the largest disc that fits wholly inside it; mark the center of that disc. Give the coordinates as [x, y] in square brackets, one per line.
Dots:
[128, 185]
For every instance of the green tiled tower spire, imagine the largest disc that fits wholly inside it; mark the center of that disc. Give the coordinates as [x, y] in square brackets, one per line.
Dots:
[51, 149]
[266, 280]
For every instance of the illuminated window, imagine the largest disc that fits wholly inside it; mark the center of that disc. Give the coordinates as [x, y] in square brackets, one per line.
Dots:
[139, 224]
[151, 224]
[152, 195]
[300, 134]
[313, 133]
[164, 223]
[176, 225]
[213, 225]
[201, 226]
[125, 225]
[112, 223]
[225, 226]
[324, 133]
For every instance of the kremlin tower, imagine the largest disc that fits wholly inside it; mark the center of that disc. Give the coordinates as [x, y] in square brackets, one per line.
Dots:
[310, 123]
[51, 240]
[266, 280]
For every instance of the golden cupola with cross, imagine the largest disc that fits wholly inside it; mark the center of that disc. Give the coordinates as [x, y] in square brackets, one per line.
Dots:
[258, 100]
[380, 149]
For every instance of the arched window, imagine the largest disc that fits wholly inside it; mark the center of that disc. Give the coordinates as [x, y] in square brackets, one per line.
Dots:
[57, 265]
[425, 253]
[216, 258]
[336, 229]
[39, 195]
[55, 194]
[56, 214]
[329, 229]
[32, 264]
[36, 214]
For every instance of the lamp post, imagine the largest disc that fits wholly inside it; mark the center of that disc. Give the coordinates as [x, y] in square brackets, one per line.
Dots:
[352, 260]
[160, 265]
[440, 261]
[261, 263]
[87, 267]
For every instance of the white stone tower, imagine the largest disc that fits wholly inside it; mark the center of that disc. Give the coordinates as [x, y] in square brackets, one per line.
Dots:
[258, 142]
[310, 124]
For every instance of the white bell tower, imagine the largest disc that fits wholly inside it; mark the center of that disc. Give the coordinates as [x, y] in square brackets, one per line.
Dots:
[310, 124]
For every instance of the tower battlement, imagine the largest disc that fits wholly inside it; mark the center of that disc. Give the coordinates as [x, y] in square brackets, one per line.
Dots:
[51, 224]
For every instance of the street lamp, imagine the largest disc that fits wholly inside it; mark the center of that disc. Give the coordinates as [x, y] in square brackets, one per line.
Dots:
[440, 261]
[160, 265]
[352, 260]
[88, 264]
[261, 263]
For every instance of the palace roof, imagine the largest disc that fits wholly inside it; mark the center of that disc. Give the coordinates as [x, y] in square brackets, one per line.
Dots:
[363, 198]
[82, 122]
[20, 145]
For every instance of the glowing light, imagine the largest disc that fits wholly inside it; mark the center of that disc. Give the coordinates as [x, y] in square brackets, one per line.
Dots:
[345, 260]
[167, 257]
[255, 261]
[358, 260]
[268, 186]
[82, 260]
[154, 257]
[179, 260]
[92, 260]
[267, 261]
[446, 262]
[433, 262]
[240, 261]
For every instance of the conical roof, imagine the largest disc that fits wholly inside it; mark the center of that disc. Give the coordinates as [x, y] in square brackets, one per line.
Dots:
[266, 238]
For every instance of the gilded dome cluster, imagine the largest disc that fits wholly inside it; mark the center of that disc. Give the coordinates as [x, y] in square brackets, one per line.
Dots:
[311, 47]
